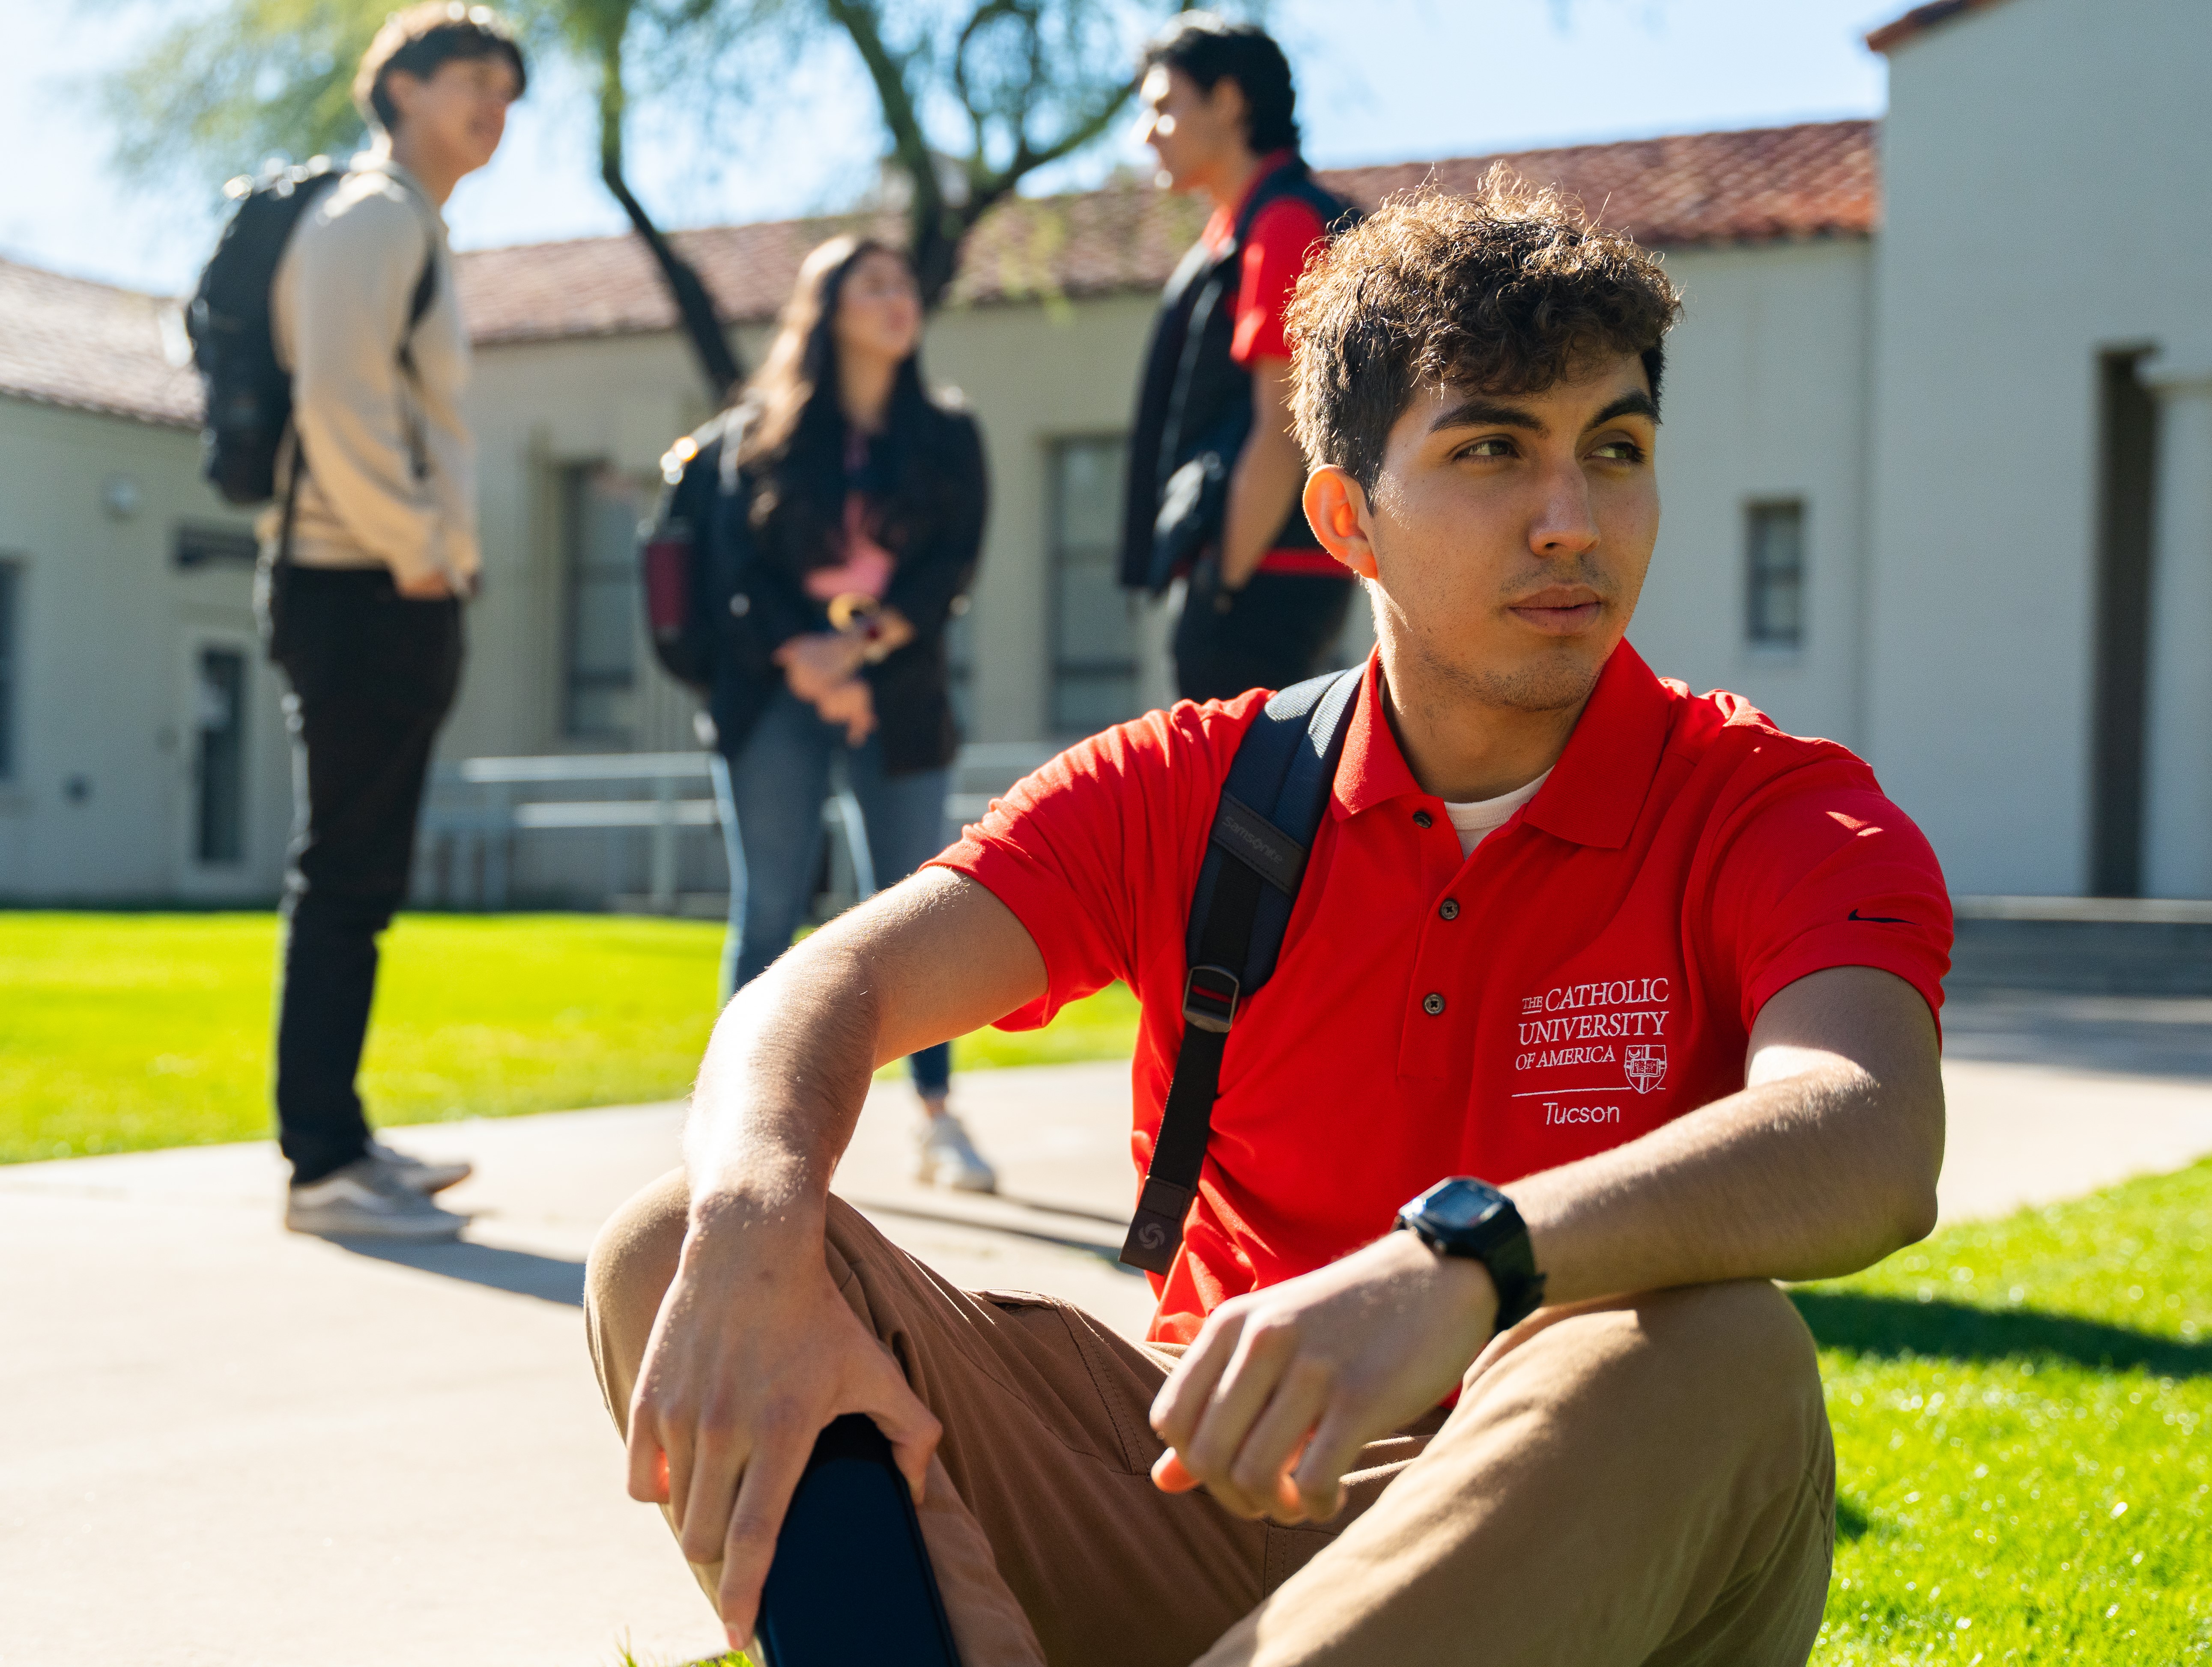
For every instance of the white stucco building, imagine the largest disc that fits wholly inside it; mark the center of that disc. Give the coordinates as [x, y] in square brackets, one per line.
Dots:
[1936, 469]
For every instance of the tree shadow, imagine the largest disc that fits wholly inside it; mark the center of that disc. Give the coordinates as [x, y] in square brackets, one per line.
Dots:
[524, 1273]
[1895, 1327]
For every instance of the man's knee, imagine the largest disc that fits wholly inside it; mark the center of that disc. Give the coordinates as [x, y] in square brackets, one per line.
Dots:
[631, 1263]
[1704, 1368]
[1742, 1338]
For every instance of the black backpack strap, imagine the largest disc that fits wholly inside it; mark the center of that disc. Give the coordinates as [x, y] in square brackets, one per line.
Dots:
[426, 290]
[1271, 807]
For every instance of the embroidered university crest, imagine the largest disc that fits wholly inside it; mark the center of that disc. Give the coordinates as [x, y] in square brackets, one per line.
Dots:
[1646, 1065]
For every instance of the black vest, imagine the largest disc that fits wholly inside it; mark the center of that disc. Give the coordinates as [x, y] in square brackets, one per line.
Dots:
[1195, 398]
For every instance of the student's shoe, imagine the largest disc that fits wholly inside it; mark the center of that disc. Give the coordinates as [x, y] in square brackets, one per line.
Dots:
[365, 1201]
[419, 1173]
[950, 1159]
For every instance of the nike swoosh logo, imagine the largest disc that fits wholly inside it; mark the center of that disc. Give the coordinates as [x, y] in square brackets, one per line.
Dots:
[1877, 920]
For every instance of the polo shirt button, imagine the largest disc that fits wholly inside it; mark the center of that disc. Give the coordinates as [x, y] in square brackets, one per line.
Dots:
[1432, 1004]
[1423, 819]
[1450, 908]
[741, 604]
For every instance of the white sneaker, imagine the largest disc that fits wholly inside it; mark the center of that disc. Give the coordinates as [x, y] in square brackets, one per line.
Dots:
[419, 1173]
[364, 1200]
[949, 1158]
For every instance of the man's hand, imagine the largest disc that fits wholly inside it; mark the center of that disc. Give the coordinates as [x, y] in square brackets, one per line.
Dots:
[753, 1354]
[1273, 1402]
[431, 587]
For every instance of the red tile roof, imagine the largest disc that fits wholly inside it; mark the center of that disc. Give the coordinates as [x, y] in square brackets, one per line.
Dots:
[69, 342]
[1919, 20]
[1815, 180]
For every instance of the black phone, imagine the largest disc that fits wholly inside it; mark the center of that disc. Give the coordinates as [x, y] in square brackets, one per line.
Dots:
[851, 1581]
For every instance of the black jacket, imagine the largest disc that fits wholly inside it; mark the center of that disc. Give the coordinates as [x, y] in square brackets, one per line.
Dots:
[1196, 401]
[770, 606]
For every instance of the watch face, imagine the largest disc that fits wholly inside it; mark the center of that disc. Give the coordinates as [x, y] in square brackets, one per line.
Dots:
[1459, 1205]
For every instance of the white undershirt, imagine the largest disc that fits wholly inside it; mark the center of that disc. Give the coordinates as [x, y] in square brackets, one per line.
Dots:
[1478, 819]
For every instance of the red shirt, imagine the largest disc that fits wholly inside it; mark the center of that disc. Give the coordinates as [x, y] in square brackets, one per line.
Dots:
[1610, 947]
[1281, 237]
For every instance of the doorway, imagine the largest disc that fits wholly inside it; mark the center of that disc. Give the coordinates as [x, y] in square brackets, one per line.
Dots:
[218, 756]
[2126, 492]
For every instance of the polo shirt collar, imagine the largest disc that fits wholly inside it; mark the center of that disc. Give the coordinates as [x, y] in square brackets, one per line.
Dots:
[1594, 791]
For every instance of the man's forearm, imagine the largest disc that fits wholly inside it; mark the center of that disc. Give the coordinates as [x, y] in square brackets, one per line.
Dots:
[788, 1067]
[1263, 488]
[783, 1085]
[1773, 1183]
[1823, 1166]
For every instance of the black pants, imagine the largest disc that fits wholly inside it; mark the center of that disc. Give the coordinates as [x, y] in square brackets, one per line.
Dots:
[372, 676]
[1274, 634]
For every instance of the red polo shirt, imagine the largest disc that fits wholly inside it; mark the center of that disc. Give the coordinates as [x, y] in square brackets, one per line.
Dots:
[1589, 973]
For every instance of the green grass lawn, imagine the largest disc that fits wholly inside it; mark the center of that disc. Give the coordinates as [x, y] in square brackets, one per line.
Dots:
[2021, 1411]
[119, 1032]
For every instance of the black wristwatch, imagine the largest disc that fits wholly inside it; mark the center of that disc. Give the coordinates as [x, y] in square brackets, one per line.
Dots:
[1463, 1216]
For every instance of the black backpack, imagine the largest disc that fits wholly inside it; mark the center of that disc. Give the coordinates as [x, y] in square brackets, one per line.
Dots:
[247, 395]
[690, 553]
[1271, 807]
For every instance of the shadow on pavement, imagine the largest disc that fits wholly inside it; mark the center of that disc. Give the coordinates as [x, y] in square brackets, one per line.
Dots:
[1891, 1327]
[548, 1278]
[1110, 1254]
[1082, 1212]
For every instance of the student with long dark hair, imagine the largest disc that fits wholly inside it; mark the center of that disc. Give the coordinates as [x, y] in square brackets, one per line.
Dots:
[864, 500]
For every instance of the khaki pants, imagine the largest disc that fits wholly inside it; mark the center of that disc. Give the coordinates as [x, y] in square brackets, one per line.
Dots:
[1648, 1481]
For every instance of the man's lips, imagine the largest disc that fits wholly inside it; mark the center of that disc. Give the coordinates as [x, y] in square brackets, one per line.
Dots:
[1559, 613]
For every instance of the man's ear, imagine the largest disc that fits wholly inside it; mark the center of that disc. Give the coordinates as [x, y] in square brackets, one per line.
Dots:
[402, 88]
[1336, 509]
[1231, 107]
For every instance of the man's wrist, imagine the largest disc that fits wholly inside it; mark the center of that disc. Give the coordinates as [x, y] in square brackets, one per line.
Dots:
[726, 1222]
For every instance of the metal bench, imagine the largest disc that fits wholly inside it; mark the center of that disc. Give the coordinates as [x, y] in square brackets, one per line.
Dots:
[478, 808]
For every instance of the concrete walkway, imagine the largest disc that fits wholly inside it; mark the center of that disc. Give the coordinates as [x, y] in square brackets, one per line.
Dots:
[223, 1444]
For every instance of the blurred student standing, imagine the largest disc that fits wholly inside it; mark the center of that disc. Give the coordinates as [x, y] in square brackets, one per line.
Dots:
[367, 560]
[861, 500]
[1214, 476]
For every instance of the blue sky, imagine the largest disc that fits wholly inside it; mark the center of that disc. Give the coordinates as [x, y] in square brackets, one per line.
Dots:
[1379, 81]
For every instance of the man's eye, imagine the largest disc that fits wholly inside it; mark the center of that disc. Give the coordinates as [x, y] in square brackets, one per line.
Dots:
[1496, 446]
[1621, 450]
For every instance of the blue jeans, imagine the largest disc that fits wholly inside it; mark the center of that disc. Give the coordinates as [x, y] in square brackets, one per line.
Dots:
[771, 797]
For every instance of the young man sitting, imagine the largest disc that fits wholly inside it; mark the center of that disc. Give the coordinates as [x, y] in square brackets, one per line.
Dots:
[1662, 972]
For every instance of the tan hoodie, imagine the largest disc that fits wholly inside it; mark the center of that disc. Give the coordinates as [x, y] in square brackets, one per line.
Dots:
[390, 470]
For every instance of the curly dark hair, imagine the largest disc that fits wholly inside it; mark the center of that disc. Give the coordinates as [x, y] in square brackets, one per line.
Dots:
[1207, 48]
[1508, 290]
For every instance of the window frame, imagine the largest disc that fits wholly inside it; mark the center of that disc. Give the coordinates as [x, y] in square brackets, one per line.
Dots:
[13, 566]
[571, 479]
[1058, 664]
[1763, 577]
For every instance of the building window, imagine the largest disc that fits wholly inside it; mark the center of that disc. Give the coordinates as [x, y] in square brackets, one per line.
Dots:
[600, 510]
[1094, 639]
[11, 587]
[202, 545]
[219, 757]
[1775, 615]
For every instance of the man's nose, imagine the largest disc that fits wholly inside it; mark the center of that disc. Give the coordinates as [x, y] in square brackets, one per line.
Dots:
[1565, 524]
